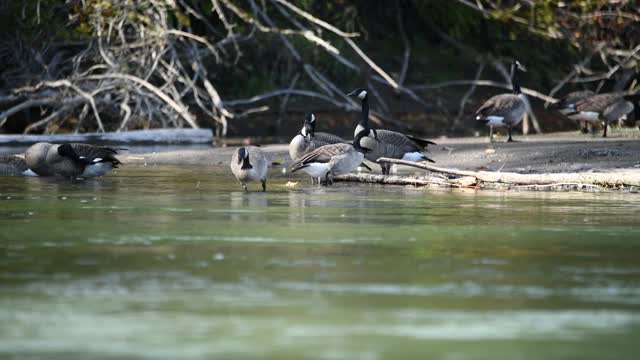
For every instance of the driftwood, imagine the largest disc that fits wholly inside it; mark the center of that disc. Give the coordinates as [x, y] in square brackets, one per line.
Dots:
[393, 179]
[491, 179]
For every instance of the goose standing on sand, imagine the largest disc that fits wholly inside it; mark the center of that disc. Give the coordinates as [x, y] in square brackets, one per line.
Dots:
[334, 159]
[12, 165]
[248, 163]
[389, 144]
[604, 108]
[71, 160]
[567, 106]
[505, 110]
[308, 140]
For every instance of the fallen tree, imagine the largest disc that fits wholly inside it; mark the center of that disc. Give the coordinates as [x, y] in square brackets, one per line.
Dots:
[628, 178]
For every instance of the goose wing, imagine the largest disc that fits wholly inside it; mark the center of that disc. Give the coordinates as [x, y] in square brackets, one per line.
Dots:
[403, 142]
[328, 138]
[322, 154]
[499, 105]
[597, 103]
[572, 98]
[95, 154]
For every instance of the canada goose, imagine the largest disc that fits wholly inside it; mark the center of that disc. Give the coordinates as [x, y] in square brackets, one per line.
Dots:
[505, 110]
[308, 140]
[389, 144]
[334, 159]
[36, 158]
[71, 160]
[11, 165]
[607, 108]
[567, 105]
[249, 164]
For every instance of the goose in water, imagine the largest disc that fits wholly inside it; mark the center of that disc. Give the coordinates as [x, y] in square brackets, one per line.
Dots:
[71, 160]
[248, 163]
[334, 159]
[389, 144]
[505, 110]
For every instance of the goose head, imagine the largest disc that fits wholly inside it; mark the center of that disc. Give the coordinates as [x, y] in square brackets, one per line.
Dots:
[309, 128]
[360, 93]
[518, 66]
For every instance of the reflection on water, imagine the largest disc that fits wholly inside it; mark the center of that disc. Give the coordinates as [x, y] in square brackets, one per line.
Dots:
[176, 262]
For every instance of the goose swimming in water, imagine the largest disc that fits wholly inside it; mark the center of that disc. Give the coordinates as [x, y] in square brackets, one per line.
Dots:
[389, 144]
[71, 160]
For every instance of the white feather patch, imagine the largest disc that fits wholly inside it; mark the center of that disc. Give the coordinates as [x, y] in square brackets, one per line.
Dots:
[495, 120]
[413, 156]
[97, 160]
[96, 170]
[28, 172]
[317, 170]
[586, 116]
[362, 94]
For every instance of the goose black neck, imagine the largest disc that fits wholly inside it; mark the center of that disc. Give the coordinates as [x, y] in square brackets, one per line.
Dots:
[514, 80]
[364, 121]
[246, 165]
[356, 142]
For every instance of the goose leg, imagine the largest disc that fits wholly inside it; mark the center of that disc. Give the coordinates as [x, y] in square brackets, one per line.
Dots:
[606, 125]
[328, 178]
[509, 130]
[264, 185]
[244, 186]
[490, 133]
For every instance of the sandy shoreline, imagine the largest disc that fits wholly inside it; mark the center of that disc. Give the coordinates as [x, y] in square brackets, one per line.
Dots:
[561, 152]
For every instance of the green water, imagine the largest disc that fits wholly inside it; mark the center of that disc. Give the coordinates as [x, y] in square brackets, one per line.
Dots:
[178, 263]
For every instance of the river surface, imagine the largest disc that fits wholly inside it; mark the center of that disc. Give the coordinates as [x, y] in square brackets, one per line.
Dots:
[160, 262]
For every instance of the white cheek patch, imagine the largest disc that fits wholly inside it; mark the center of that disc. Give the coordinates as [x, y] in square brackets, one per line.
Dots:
[313, 118]
[303, 131]
[362, 94]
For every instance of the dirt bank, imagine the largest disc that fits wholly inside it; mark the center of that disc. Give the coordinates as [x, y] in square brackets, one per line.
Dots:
[560, 152]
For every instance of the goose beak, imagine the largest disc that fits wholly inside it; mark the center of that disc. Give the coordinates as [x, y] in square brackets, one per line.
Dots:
[353, 93]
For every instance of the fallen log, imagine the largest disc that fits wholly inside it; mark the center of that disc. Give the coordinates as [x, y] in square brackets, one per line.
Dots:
[626, 177]
[393, 179]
